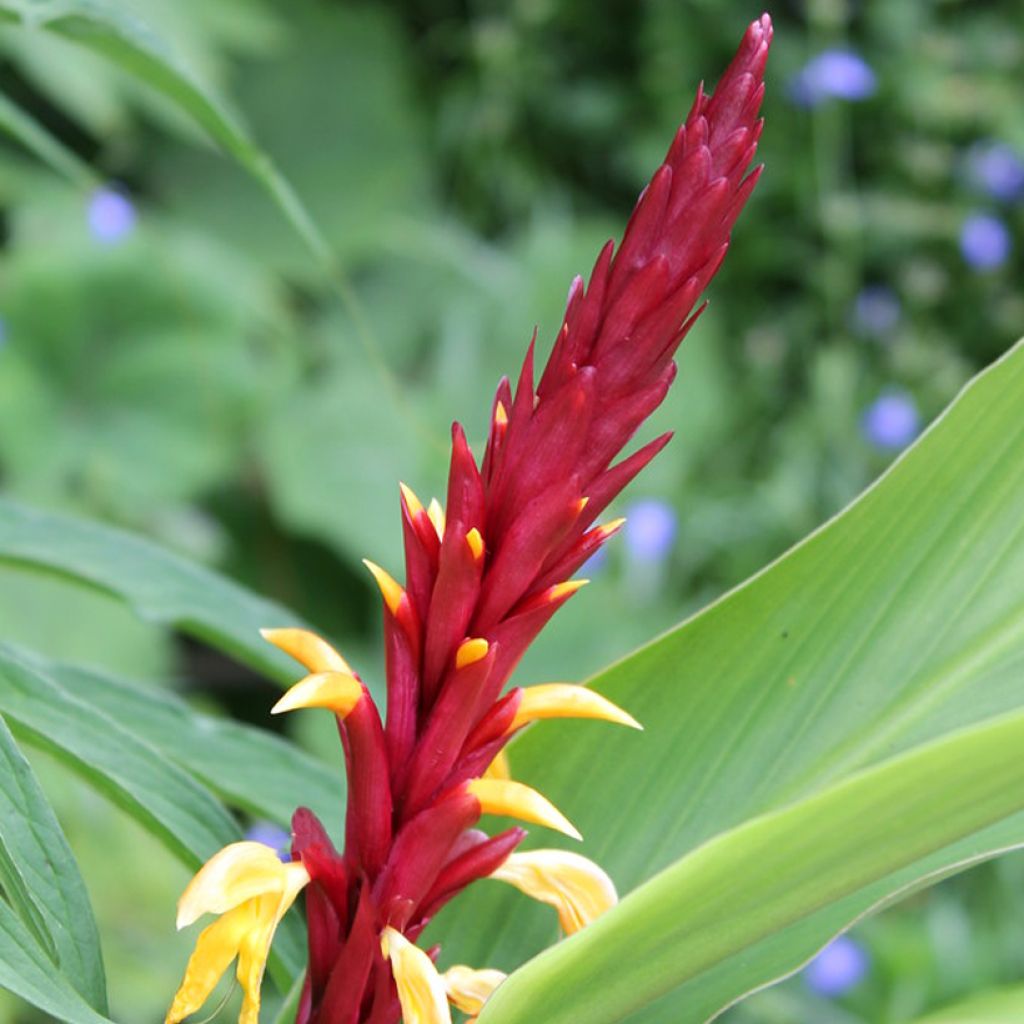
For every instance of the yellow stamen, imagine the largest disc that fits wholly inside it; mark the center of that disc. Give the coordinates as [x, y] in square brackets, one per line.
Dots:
[436, 514]
[307, 649]
[390, 590]
[471, 651]
[513, 799]
[476, 544]
[468, 989]
[576, 887]
[421, 990]
[412, 503]
[500, 415]
[560, 590]
[337, 691]
[609, 528]
[565, 700]
[251, 893]
[499, 768]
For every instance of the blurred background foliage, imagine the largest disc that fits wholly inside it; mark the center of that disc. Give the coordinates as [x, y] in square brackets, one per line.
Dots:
[173, 359]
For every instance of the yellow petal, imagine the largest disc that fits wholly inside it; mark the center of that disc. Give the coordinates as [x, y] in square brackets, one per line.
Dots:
[469, 989]
[231, 876]
[337, 691]
[420, 988]
[500, 415]
[308, 649]
[471, 651]
[501, 796]
[565, 700]
[412, 503]
[216, 947]
[390, 589]
[576, 887]
[499, 768]
[560, 590]
[255, 945]
[476, 544]
[436, 513]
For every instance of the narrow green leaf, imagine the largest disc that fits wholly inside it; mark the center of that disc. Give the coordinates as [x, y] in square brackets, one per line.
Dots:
[999, 1006]
[130, 772]
[247, 767]
[160, 586]
[130, 44]
[290, 1006]
[41, 877]
[900, 620]
[749, 884]
[35, 138]
[26, 971]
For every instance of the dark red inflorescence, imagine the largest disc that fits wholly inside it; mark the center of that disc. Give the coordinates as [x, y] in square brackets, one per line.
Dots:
[517, 527]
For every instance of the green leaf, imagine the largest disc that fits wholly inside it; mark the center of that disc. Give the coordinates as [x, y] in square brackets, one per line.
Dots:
[131, 45]
[899, 621]
[1000, 1006]
[247, 767]
[159, 585]
[290, 1006]
[749, 884]
[40, 877]
[35, 138]
[26, 971]
[129, 771]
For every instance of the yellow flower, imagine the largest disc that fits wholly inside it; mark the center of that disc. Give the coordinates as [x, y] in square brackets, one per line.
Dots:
[576, 887]
[469, 988]
[421, 991]
[251, 889]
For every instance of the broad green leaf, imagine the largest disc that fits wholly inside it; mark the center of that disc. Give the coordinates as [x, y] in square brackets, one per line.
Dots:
[128, 43]
[129, 771]
[35, 138]
[1000, 1006]
[748, 884]
[26, 971]
[290, 1006]
[159, 585]
[40, 876]
[898, 622]
[250, 768]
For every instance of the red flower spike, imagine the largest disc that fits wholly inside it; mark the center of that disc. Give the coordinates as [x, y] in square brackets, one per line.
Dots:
[479, 589]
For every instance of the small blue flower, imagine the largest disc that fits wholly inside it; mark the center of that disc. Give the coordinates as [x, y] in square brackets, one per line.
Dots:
[985, 241]
[271, 835]
[840, 966]
[111, 215]
[650, 530]
[892, 421]
[997, 169]
[876, 310]
[833, 74]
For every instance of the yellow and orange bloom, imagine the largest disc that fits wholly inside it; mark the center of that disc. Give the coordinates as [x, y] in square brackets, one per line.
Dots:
[249, 887]
[483, 576]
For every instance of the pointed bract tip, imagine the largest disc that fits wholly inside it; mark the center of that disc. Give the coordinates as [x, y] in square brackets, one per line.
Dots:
[612, 527]
[471, 651]
[390, 590]
[476, 544]
[336, 691]
[412, 503]
[436, 513]
[566, 589]
[567, 700]
[581, 505]
[307, 649]
[514, 800]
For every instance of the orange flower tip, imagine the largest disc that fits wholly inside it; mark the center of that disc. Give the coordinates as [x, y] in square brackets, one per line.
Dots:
[412, 503]
[390, 590]
[436, 514]
[566, 589]
[613, 527]
[581, 505]
[476, 544]
[339, 692]
[307, 649]
[500, 415]
[468, 989]
[567, 700]
[471, 651]
[514, 800]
